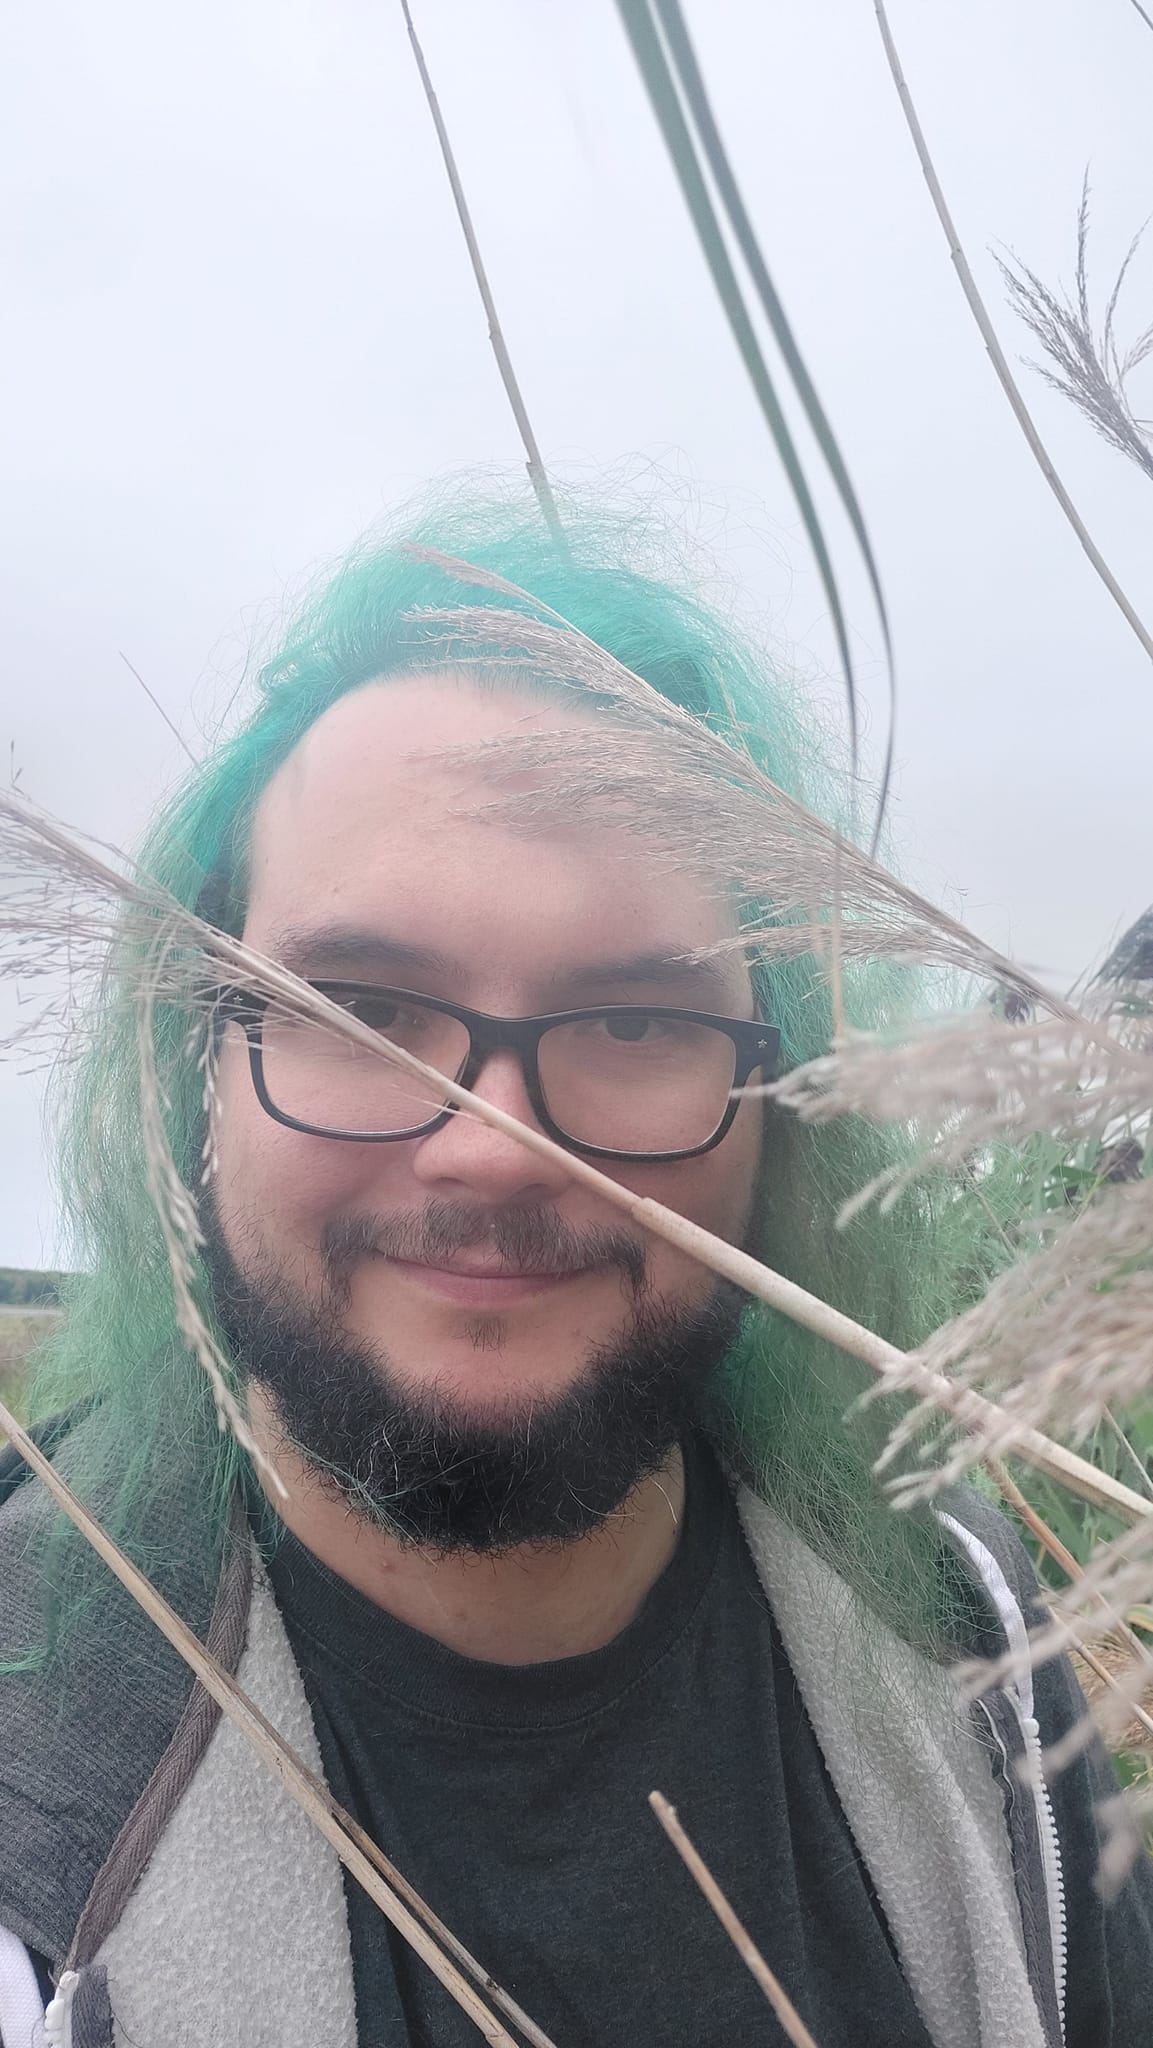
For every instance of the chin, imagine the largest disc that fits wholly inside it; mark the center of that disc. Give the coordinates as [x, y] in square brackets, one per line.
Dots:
[458, 1427]
[488, 1375]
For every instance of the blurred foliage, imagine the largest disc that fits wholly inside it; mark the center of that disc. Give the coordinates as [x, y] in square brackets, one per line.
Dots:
[1122, 1443]
[29, 1301]
[23, 1287]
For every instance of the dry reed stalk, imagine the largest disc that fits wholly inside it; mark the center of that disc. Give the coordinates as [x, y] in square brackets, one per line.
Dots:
[960, 1084]
[1126, 1448]
[1095, 1604]
[1056, 1338]
[391, 1892]
[971, 1410]
[155, 701]
[690, 794]
[1115, 1690]
[954, 1087]
[705, 804]
[1129, 1724]
[179, 1222]
[786, 2012]
[204, 951]
[801, 849]
[1121, 1651]
[1091, 371]
[996, 353]
[737, 832]
[1033, 1521]
[538, 475]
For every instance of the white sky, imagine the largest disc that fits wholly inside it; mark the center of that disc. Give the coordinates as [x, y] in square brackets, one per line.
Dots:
[239, 323]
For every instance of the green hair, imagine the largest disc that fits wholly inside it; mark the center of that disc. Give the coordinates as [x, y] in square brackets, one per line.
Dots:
[780, 1400]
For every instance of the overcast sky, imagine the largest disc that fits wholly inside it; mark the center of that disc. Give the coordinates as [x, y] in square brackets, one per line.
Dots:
[239, 323]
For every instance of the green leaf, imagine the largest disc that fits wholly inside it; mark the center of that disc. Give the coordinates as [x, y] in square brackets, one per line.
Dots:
[665, 99]
[697, 99]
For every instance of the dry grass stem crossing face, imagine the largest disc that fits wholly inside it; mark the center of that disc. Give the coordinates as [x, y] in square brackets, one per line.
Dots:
[176, 955]
[1065, 1331]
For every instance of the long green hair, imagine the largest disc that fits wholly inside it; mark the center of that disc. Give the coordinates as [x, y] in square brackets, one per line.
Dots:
[780, 1401]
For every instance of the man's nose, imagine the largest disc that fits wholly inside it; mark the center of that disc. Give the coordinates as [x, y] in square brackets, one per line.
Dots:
[470, 1154]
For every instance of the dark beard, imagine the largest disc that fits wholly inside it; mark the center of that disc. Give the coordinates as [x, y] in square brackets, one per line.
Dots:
[409, 1461]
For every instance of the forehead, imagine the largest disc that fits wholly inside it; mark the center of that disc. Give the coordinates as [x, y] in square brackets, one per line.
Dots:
[363, 827]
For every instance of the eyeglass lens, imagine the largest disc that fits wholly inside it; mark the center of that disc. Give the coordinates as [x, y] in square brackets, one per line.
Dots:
[630, 1083]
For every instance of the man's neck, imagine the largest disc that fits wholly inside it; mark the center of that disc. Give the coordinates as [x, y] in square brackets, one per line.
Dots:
[521, 1606]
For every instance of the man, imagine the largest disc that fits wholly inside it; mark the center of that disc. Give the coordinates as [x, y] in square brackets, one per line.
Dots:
[541, 1520]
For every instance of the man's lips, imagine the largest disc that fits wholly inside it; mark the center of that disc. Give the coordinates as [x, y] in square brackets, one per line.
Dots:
[483, 1286]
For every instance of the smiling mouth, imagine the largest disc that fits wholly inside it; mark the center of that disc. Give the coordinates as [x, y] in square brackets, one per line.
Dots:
[484, 1286]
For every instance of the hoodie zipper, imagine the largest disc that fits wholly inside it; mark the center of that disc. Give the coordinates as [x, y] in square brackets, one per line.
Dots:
[1028, 1776]
[1050, 1853]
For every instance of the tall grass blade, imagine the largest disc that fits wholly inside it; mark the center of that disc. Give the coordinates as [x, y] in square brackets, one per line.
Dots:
[665, 101]
[154, 700]
[538, 475]
[697, 99]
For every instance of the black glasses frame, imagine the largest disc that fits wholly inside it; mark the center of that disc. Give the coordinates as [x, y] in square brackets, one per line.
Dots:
[756, 1045]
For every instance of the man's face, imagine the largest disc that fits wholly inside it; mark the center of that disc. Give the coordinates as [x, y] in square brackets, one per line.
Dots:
[365, 866]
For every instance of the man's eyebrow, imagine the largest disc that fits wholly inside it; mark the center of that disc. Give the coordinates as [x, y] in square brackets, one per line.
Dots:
[349, 952]
[333, 951]
[671, 968]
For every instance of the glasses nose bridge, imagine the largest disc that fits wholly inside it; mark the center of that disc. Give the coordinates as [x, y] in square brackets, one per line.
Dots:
[518, 1035]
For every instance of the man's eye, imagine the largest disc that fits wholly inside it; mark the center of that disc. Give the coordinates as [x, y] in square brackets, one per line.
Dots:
[387, 1016]
[631, 1027]
[639, 1028]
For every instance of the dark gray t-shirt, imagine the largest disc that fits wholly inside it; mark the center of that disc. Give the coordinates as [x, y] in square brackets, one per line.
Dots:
[515, 1799]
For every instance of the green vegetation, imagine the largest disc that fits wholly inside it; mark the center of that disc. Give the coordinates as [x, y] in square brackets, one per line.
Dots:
[23, 1287]
[29, 1303]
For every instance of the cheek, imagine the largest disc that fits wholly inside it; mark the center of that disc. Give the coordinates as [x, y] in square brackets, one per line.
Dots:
[277, 1184]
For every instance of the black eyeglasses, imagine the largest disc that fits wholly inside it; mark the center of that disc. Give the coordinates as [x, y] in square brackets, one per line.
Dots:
[620, 1082]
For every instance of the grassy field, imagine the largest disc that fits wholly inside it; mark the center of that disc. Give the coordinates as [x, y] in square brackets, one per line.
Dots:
[21, 1329]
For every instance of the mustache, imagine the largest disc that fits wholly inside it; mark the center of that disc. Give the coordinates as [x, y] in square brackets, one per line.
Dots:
[531, 1240]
